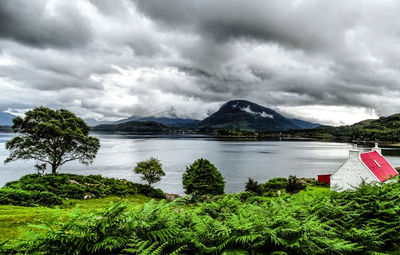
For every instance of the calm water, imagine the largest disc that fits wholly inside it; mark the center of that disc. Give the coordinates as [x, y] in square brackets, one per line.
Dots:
[237, 161]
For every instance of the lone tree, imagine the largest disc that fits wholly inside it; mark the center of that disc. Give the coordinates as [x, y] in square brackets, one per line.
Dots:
[203, 178]
[53, 137]
[151, 170]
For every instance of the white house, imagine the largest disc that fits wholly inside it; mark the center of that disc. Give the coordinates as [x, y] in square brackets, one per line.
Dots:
[368, 166]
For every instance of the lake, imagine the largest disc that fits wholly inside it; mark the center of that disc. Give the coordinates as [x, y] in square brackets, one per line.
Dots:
[237, 160]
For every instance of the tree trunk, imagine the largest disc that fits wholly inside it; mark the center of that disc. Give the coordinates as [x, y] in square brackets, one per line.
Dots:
[53, 168]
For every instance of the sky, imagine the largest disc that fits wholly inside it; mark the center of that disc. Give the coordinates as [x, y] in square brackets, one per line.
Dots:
[334, 62]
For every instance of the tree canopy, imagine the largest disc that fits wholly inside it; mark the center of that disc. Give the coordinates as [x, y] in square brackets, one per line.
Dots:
[151, 170]
[53, 137]
[203, 178]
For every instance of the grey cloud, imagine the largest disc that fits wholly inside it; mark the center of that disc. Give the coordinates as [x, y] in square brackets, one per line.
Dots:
[96, 57]
[282, 22]
[30, 22]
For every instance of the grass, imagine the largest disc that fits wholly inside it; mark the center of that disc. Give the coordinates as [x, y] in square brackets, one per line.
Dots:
[16, 220]
[311, 190]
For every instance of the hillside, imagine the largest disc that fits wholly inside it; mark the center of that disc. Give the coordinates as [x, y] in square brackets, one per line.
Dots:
[169, 122]
[245, 115]
[6, 119]
[134, 126]
[384, 129]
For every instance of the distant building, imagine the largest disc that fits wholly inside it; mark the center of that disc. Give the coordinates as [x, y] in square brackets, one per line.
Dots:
[369, 167]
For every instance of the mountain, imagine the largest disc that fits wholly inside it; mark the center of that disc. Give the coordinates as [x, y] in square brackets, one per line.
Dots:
[133, 126]
[6, 119]
[245, 115]
[304, 124]
[169, 122]
[93, 122]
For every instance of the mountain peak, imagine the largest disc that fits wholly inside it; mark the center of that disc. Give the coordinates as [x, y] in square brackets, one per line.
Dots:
[246, 115]
[255, 110]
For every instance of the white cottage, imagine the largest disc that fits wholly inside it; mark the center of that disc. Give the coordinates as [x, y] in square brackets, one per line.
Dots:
[368, 166]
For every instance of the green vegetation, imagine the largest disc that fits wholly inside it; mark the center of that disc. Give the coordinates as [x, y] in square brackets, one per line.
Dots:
[50, 189]
[21, 197]
[17, 221]
[313, 221]
[236, 133]
[151, 170]
[253, 186]
[276, 186]
[294, 185]
[52, 137]
[203, 178]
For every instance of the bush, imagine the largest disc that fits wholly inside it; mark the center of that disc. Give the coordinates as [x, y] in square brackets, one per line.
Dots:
[203, 178]
[76, 186]
[253, 186]
[46, 198]
[10, 196]
[275, 184]
[294, 185]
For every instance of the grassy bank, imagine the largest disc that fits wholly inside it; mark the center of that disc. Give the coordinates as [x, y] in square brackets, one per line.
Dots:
[16, 220]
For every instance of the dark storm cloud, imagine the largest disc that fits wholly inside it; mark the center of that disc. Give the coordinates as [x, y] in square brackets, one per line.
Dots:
[112, 59]
[35, 23]
[284, 22]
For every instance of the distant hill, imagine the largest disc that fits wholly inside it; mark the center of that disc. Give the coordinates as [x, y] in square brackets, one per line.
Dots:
[133, 126]
[304, 124]
[170, 122]
[5, 129]
[93, 122]
[384, 129]
[6, 119]
[245, 115]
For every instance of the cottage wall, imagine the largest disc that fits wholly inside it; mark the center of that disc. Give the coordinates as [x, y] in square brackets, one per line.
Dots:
[351, 174]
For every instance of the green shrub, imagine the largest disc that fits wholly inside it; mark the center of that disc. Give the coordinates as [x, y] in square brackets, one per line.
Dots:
[71, 191]
[295, 184]
[76, 186]
[275, 184]
[10, 196]
[253, 186]
[203, 178]
[46, 198]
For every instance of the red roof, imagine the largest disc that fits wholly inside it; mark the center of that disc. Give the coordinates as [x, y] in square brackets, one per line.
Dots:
[378, 165]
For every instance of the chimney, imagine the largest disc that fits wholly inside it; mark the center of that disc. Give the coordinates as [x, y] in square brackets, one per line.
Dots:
[354, 153]
[377, 149]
